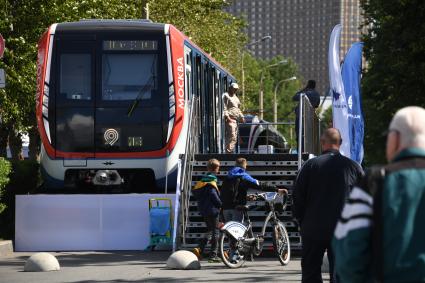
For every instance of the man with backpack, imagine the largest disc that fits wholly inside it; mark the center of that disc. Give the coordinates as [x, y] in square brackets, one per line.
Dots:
[235, 188]
[381, 234]
[208, 196]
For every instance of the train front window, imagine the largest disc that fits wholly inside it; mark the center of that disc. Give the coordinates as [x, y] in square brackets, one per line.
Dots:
[75, 76]
[129, 76]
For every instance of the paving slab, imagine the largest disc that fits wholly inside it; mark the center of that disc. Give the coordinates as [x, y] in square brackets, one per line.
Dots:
[134, 266]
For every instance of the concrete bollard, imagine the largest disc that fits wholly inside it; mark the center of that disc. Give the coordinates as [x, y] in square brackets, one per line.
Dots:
[41, 262]
[183, 260]
[6, 248]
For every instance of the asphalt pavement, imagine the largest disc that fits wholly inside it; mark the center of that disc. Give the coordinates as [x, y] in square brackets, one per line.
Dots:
[134, 266]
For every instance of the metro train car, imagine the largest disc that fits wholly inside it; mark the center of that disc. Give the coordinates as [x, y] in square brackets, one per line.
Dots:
[112, 105]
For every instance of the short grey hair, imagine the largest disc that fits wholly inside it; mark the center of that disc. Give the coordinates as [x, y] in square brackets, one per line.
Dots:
[410, 123]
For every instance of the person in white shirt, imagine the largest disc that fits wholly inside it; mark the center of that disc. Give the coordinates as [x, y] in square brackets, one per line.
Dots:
[232, 114]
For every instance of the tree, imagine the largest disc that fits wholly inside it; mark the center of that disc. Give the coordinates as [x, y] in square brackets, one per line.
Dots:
[271, 77]
[207, 24]
[395, 51]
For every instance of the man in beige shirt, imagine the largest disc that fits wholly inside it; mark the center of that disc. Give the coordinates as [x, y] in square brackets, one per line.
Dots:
[232, 114]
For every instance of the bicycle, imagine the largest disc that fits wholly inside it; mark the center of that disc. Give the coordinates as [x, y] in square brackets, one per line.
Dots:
[237, 241]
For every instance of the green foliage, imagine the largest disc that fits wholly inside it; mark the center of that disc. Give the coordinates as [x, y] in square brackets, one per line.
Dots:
[4, 180]
[205, 23]
[395, 52]
[24, 178]
[326, 119]
[254, 69]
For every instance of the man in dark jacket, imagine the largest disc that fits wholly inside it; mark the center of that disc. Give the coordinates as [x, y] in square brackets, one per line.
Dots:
[312, 95]
[235, 189]
[209, 205]
[321, 188]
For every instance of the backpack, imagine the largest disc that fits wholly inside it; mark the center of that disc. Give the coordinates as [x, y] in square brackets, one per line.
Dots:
[229, 192]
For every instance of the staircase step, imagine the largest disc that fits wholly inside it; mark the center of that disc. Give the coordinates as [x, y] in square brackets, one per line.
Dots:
[269, 183]
[267, 235]
[253, 173]
[255, 224]
[250, 213]
[249, 163]
[258, 204]
[251, 157]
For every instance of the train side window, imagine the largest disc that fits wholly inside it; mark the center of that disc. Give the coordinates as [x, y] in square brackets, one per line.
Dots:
[75, 76]
[188, 71]
[198, 76]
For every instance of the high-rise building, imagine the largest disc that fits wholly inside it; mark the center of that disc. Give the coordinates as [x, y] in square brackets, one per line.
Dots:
[300, 29]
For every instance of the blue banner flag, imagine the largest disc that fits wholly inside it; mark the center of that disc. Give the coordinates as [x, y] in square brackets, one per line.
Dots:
[351, 76]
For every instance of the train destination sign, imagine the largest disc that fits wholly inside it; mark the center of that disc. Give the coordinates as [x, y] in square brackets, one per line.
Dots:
[130, 45]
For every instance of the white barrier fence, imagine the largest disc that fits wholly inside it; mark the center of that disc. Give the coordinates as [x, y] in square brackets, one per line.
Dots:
[84, 222]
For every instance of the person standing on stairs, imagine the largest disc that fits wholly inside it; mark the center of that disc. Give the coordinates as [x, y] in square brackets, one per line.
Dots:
[209, 205]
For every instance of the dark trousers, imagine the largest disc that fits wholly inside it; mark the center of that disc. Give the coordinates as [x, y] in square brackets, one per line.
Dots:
[212, 235]
[312, 258]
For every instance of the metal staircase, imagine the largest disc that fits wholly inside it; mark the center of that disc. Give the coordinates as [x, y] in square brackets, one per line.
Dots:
[275, 169]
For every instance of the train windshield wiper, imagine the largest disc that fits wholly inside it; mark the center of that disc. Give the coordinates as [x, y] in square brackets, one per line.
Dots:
[147, 87]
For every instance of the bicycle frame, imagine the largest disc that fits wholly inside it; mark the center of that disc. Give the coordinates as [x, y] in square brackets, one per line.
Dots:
[249, 234]
[244, 243]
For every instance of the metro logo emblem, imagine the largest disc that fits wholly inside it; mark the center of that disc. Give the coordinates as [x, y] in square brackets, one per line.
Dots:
[180, 82]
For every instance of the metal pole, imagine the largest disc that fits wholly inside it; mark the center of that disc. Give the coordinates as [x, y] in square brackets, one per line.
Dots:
[267, 139]
[166, 171]
[300, 124]
[261, 110]
[275, 102]
[243, 82]
[261, 98]
[275, 95]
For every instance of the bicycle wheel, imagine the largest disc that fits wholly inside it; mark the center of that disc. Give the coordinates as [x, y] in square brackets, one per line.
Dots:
[281, 243]
[229, 255]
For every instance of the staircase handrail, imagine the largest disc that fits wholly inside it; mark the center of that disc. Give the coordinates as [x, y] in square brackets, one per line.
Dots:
[187, 166]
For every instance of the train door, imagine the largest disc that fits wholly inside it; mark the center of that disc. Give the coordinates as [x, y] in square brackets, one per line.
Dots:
[218, 110]
[212, 109]
[199, 91]
[206, 108]
[131, 110]
[189, 91]
[74, 96]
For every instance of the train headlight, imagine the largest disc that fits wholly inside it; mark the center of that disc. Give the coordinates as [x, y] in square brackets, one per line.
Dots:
[102, 177]
[107, 178]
